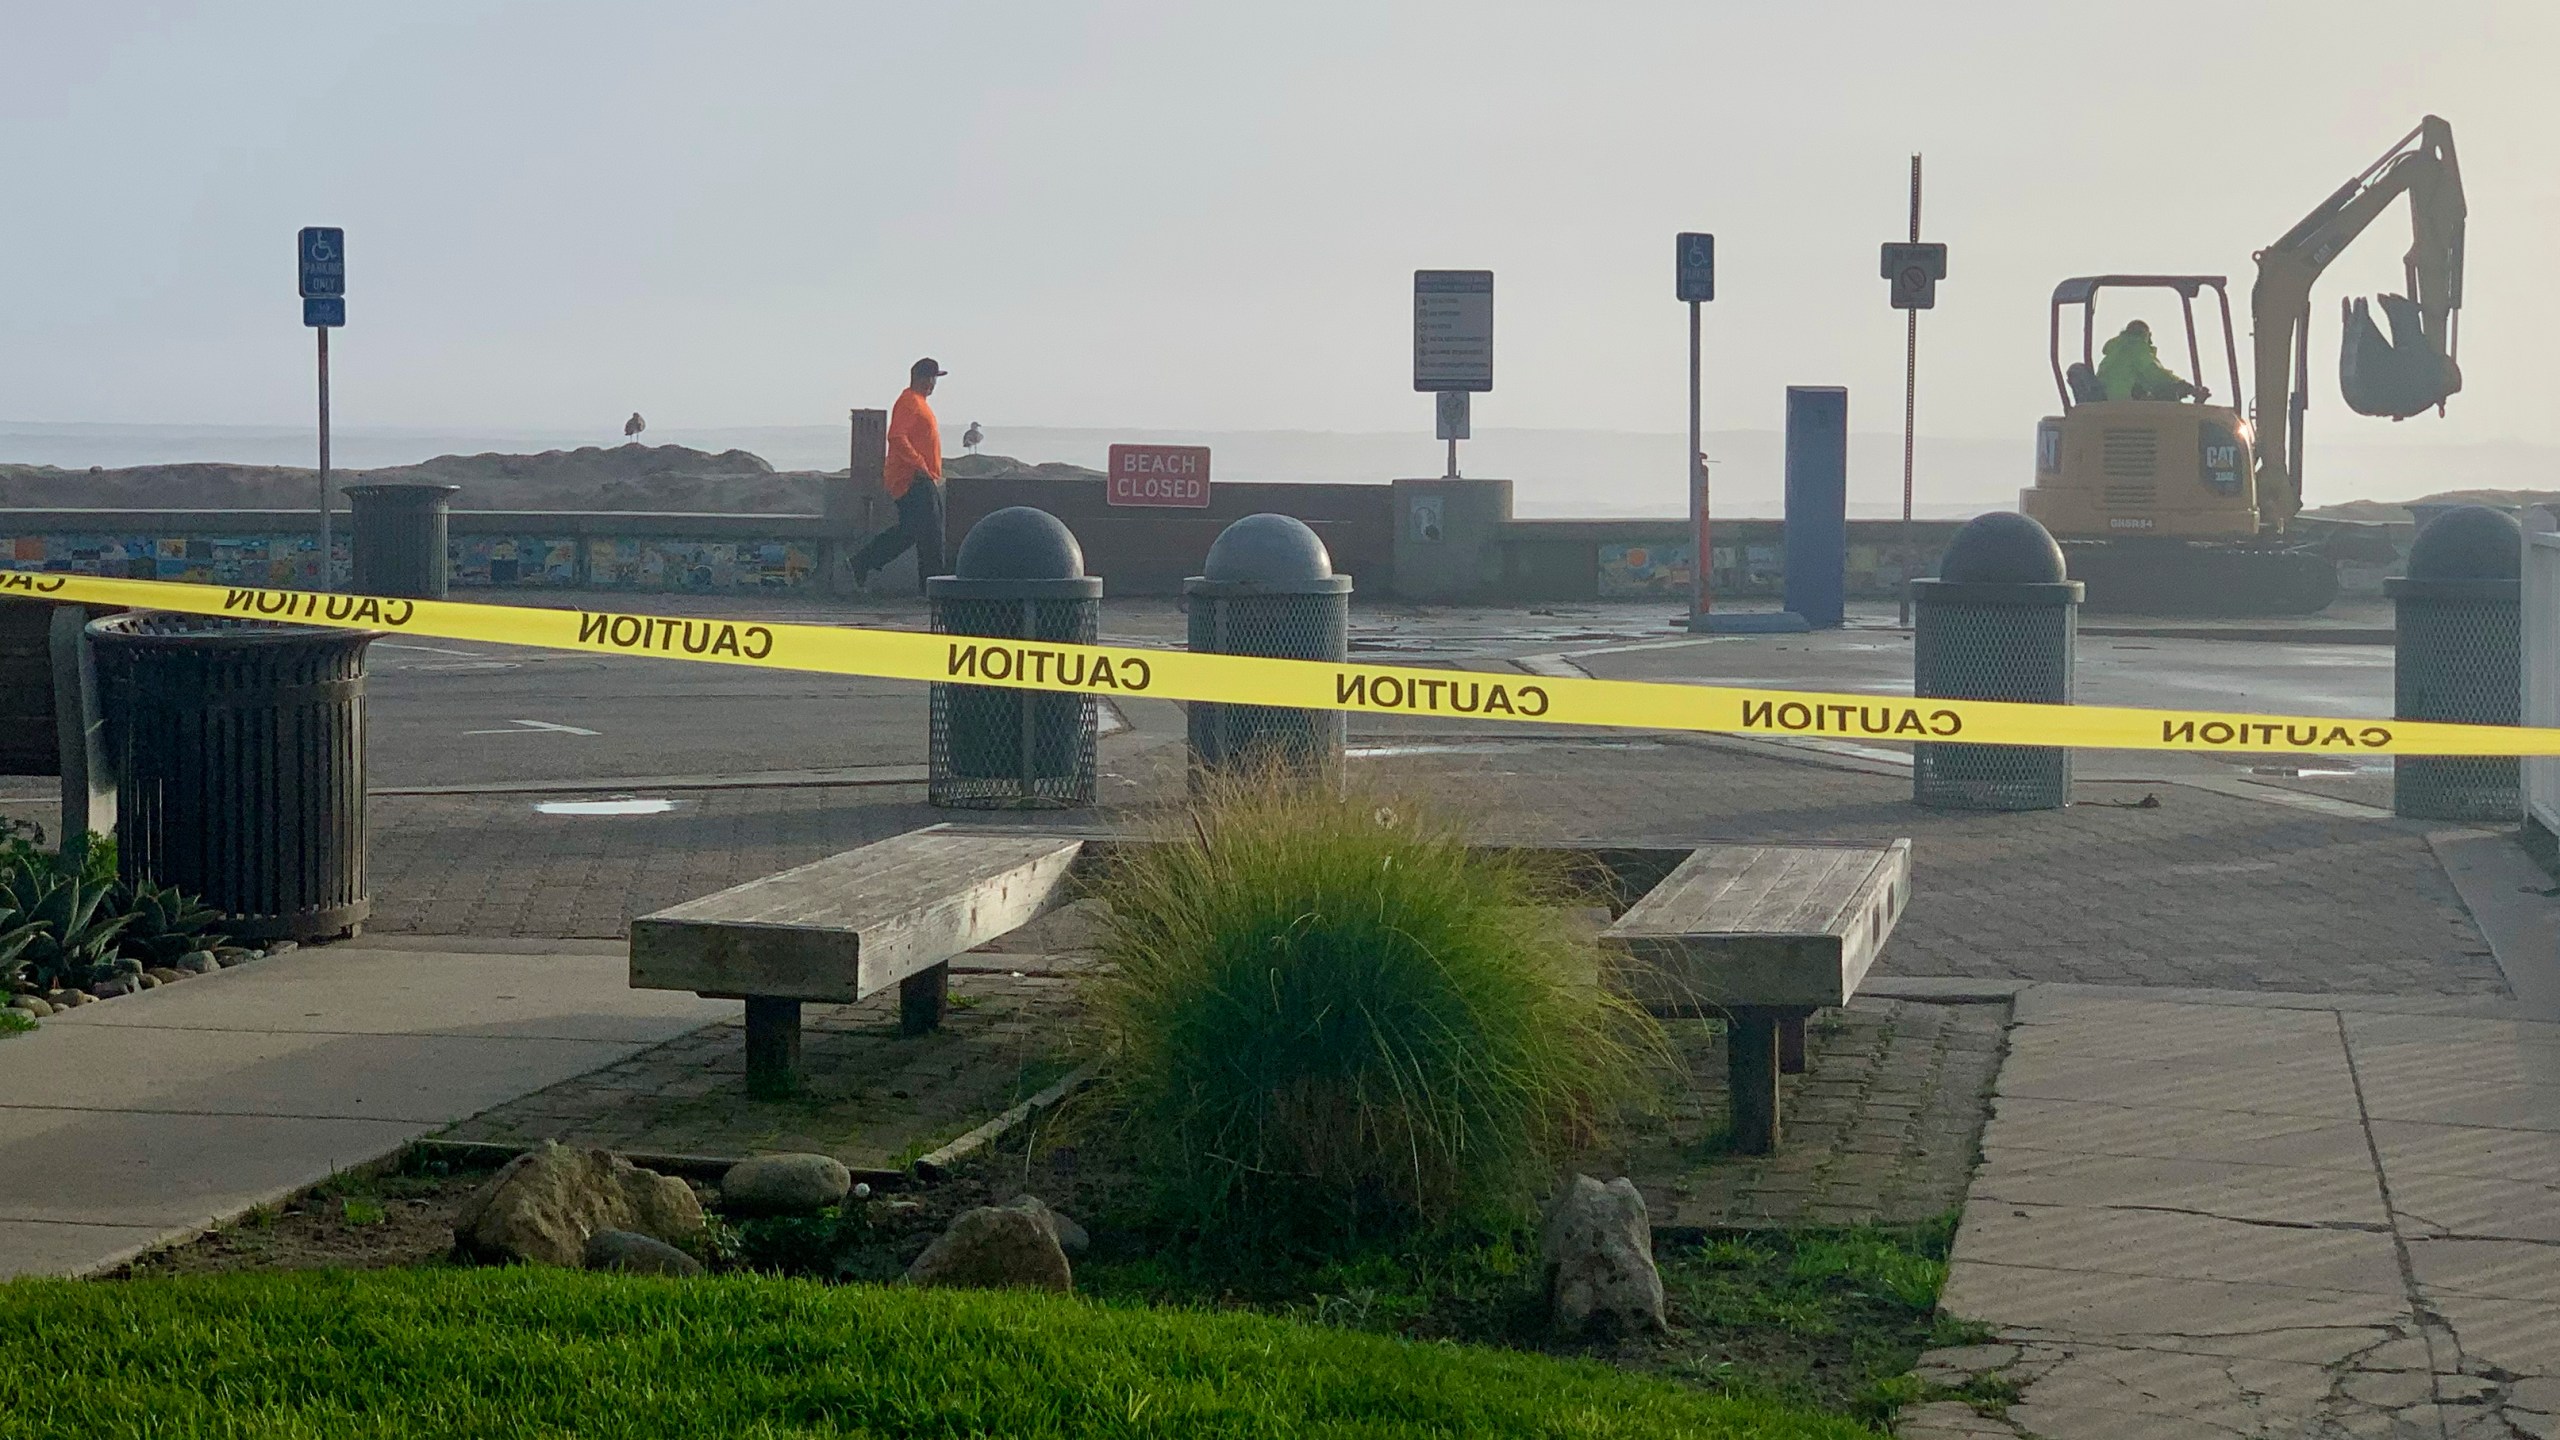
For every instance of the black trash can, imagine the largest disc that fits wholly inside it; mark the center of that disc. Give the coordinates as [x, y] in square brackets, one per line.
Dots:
[1999, 623]
[1019, 576]
[2458, 655]
[1268, 589]
[241, 779]
[399, 539]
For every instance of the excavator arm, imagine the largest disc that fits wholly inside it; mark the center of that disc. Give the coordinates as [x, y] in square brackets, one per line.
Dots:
[2398, 377]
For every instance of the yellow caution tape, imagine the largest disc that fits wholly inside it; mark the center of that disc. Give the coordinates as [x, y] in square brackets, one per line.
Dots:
[1118, 670]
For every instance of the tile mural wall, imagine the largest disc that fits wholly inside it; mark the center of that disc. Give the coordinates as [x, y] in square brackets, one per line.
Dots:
[1639, 571]
[502, 562]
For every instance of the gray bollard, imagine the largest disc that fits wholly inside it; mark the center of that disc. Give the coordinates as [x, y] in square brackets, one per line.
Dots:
[1999, 623]
[1268, 589]
[399, 541]
[2458, 655]
[1019, 576]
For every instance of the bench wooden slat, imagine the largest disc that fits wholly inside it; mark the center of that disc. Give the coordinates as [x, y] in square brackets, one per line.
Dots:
[851, 925]
[1780, 927]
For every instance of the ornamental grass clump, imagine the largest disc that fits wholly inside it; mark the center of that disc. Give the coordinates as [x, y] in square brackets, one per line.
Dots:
[1327, 1014]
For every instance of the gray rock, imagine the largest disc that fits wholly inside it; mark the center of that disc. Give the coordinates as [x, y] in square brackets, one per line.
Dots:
[165, 975]
[1071, 1236]
[546, 1202]
[1596, 1249]
[784, 1185]
[30, 1005]
[281, 947]
[111, 989]
[993, 1248]
[201, 962]
[636, 1254]
[66, 999]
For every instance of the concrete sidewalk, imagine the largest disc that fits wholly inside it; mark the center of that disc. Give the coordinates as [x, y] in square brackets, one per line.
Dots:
[147, 1119]
[2263, 1215]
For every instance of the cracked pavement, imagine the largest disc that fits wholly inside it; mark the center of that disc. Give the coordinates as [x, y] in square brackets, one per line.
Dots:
[2261, 1216]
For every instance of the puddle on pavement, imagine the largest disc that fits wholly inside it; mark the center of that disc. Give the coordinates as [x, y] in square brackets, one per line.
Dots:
[2300, 769]
[619, 805]
[1486, 747]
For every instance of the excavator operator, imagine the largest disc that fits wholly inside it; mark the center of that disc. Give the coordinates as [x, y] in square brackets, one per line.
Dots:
[2130, 369]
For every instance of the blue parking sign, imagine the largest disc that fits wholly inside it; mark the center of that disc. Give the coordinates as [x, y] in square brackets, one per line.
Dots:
[322, 250]
[324, 310]
[1697, 275]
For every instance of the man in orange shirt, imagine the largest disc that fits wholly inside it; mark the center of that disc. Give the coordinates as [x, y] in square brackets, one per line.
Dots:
[913, 477]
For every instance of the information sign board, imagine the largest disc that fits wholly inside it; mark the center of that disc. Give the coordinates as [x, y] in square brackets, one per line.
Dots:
[1452, 330]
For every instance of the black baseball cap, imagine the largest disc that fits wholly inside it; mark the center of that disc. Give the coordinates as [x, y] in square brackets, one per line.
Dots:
[924, 367]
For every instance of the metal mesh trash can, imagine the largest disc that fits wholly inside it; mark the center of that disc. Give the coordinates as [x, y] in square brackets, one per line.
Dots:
[1999, 623]
[241, 780]
[2458, 655]
[1019, 577]
[400, 539]
[1268, 589]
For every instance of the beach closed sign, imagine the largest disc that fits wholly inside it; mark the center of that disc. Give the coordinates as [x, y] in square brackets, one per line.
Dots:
[1172, 475]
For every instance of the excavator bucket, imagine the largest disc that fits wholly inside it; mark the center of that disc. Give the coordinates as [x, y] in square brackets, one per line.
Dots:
[2400, 376]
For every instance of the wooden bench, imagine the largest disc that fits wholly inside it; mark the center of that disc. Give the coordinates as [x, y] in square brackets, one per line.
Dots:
[1759, 935]
[847, 927]
[1762, 936]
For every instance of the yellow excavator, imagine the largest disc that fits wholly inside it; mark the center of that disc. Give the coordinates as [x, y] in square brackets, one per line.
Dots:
[2172, 503]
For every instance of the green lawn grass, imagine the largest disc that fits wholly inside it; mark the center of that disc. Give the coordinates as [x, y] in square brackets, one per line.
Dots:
[533, 1352]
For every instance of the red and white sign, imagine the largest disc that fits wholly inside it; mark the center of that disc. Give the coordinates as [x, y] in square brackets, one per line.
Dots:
[1160, 475]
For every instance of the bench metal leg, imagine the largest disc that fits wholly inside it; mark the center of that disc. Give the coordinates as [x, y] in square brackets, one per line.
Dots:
[923, 999]
[773, 1048]
[1791, 1045]
[1751, 1068]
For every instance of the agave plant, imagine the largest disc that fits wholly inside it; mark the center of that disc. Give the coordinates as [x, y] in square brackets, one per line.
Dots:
[73, 945]
[15, 937]
[163, 925]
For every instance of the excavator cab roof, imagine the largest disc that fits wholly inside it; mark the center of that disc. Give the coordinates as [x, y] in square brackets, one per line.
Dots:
[2082, 290]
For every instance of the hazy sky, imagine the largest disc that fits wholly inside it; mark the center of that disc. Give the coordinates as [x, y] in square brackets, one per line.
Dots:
[1202, 215]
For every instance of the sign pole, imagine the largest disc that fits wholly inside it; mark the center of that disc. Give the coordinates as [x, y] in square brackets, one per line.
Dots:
[1910, 394]
[320, 253]
[327, 578]
[1700, 569]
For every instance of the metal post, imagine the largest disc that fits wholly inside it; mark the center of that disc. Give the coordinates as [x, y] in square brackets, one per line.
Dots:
[1699, 579]
[326, 578]
[1910, 390]
[1453, 459]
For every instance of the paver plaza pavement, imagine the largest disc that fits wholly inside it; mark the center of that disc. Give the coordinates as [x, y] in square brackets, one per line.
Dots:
[2272, 1151]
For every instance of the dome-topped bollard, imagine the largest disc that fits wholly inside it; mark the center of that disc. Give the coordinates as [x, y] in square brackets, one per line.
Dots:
[1268, 589]
[1019, 578]
[2459, 656]
[2001, 622]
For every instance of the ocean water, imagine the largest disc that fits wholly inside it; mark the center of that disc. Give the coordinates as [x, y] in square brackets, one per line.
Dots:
[1597, 473]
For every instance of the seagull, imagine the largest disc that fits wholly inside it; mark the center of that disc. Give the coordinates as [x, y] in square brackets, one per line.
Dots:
[634, 425]
[970, 437]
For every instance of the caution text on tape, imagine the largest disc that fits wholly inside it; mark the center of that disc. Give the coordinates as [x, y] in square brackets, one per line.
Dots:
[1117, 670]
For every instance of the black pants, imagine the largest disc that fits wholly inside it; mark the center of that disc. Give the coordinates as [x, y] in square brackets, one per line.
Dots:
[919, 525]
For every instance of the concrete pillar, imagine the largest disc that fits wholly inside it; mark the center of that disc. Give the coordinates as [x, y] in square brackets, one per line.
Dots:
[80, 728]
[1448, 541]
[857, 508]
